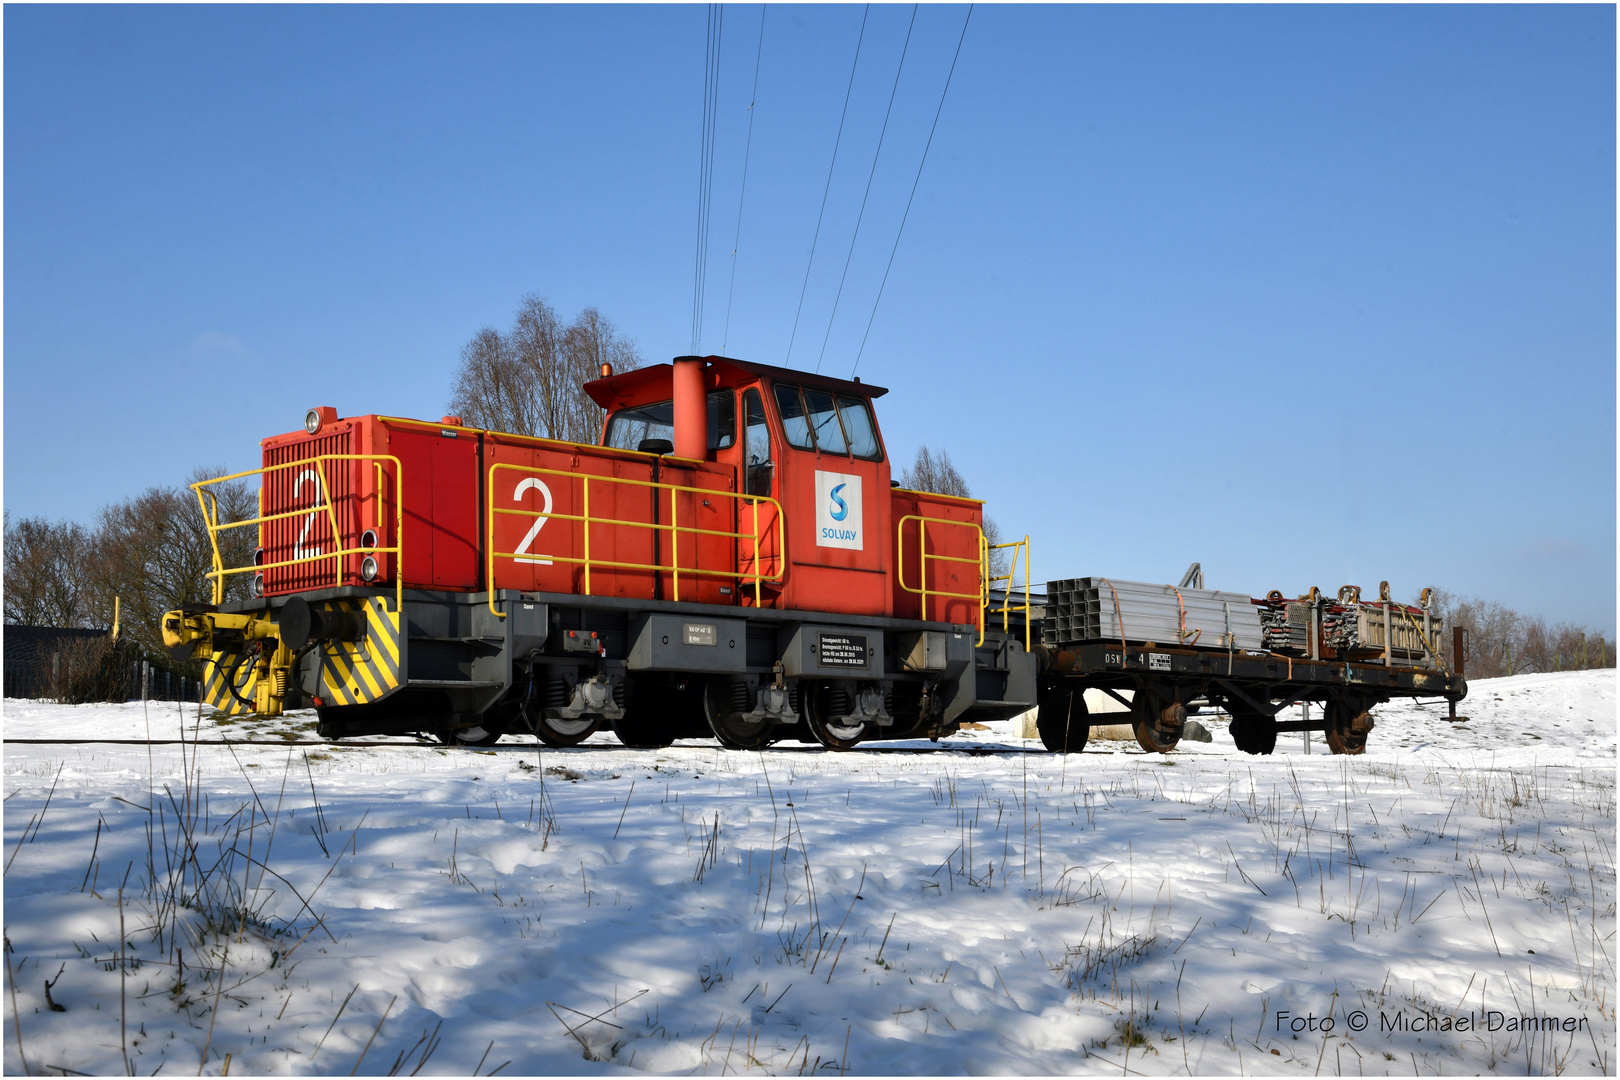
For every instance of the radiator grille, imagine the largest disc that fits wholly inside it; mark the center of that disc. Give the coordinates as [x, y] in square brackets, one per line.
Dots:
[303, 535]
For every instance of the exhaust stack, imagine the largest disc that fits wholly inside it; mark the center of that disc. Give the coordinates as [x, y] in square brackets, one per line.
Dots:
[691, 410]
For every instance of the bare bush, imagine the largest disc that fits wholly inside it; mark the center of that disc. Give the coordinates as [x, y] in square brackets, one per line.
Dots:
[91, 669]
[528, 381]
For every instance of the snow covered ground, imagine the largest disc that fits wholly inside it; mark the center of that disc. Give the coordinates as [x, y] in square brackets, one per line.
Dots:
[983, 907]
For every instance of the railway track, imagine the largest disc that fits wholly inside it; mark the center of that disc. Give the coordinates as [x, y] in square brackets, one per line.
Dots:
[970, 751]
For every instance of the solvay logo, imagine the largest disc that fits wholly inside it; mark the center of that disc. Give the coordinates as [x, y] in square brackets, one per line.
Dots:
[838, 511]
[842, 510]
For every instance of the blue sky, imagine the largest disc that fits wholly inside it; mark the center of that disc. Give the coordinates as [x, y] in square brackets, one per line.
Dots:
[1312, 295]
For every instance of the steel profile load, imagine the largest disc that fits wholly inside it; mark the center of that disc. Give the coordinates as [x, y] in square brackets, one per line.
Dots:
[1108, 609]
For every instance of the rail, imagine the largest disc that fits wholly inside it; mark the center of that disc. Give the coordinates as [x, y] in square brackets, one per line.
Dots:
[324, 495]
[673, 527]
[1007, 606]
[978, 595]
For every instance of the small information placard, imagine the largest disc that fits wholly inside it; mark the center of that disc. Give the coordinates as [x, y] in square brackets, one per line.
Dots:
[698, 633]
[842, 650]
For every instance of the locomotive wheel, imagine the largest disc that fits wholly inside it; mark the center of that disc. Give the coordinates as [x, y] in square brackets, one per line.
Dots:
[820, 701]
[1253, 732]
[473, 736]
[728, 726]
[639, 734]
[642, 727]
[1348, 722]
[552, 692]
[561, 733]
[1158, 720]
[1061, 719]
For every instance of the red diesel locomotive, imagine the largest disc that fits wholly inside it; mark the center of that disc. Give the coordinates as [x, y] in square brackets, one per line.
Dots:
[735, 560]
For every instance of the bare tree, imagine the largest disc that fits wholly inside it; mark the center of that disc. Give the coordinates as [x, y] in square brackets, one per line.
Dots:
[536, 345]
[934, 471]
[1502, 641]
[46, 572]
[153, 552]
[528, 381]
[590, 341]
[492, 389]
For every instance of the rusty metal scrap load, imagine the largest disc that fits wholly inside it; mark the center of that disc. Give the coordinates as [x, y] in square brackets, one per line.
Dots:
[1351, 628]
[1107, 609]
[1286, 627]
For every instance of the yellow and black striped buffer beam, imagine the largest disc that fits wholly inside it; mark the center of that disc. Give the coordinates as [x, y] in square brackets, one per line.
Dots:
[360, 672]
[352, 672]
[224, 670]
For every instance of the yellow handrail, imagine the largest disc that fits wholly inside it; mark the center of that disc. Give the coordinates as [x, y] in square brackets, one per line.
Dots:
[1007, 605]
[339, 552]
[922, 540]
[672, 527]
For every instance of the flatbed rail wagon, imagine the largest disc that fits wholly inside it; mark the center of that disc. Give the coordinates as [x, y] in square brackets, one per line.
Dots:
[734, 559]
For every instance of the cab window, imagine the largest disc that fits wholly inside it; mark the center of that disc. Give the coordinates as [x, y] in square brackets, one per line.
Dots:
[824, 423]
[858, 426]
[628, 428]
[756, 446]
[795, 425]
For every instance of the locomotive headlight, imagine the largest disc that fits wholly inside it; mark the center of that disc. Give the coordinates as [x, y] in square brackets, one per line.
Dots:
[368, 568]
[257, 587]
[312, 421]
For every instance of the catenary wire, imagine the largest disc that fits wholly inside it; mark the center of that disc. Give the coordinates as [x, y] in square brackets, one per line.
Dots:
[711, 95]
[747, 147]
[913, 195]
[828, 188]
[861, 216]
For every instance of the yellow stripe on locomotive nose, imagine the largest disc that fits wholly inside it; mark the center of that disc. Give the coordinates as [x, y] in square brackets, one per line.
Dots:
[384, 628]
[365, 671]
[216, 690]
[370, 688]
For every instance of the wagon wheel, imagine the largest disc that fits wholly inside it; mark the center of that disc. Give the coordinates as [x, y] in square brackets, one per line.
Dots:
[1348, 722]
[1061, 719]
[1158, 719]
[641, 727]
[1253, 731]
[822, 702]
[728, 725]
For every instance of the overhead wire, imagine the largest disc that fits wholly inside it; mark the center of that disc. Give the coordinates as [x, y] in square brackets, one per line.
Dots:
[711, 97]
[860, 216]
[903, 217]
[828, 188]
[748, 146]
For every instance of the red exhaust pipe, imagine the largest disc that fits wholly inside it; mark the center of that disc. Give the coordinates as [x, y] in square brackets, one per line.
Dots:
[691, 410]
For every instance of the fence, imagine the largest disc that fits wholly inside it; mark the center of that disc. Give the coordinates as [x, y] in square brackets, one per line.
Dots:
[34, 657]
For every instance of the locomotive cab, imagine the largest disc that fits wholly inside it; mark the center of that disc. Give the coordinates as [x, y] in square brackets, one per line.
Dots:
[807, 442]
